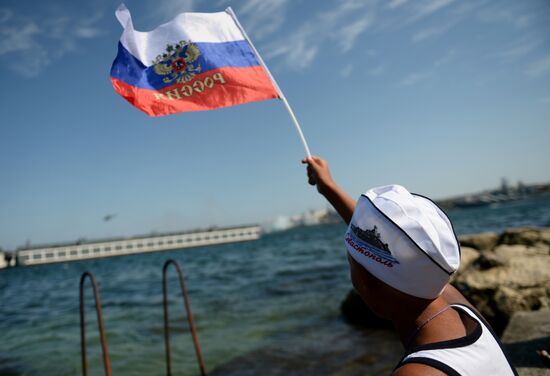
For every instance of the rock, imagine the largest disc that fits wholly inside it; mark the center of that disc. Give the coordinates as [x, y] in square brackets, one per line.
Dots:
[489, 260]
[510, 251]
[356, 312]
[525, 236]
[527, 333]
[509, 300]
[510, 278]
[481, 242]
[467, 257]
[518, 273]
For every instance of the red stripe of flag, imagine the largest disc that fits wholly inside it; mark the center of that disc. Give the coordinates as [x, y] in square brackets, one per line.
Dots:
[217, 88]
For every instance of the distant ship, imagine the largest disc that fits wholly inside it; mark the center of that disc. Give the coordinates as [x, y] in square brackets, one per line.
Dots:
[371, 237]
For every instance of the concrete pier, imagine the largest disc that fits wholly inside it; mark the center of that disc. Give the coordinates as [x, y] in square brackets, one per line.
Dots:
[140, 244]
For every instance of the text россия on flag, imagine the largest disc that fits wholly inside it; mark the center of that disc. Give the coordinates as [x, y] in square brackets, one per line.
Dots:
[196, 62]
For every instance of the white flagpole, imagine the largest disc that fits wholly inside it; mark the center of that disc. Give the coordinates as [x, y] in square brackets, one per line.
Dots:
[281, 95]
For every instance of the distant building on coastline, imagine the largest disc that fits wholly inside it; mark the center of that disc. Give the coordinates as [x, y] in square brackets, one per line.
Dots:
[7, 259]
[308, 218]
[82, 250]
[3, 262]
[314, 217]
[504, 193]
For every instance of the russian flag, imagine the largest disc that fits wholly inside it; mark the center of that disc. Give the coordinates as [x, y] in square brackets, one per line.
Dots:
[196, 62]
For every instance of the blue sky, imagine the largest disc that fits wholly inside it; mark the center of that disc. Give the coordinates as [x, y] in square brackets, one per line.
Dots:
[442, 96]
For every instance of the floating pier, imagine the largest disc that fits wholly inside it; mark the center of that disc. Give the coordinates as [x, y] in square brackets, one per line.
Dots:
[47, 254]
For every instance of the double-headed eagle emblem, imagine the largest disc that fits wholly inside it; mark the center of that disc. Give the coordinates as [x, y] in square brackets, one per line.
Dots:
[178, 63]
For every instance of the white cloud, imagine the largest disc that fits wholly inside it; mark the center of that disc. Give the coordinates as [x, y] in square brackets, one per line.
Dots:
[348, 34]
[262, 18]
[445, 58]
[415, 78]
[18, 38]
[332, 28]
[430, 32]
[416, 11]
[296, 52]
[165, 10]
[87, 32]
[346, 71]
[465, 7]
[509, 15]
[377, 71]
[36, 43]
[429, 7]
[34, 65]
[539, 68]
[518, 49]
[396, 3]
[5, 15]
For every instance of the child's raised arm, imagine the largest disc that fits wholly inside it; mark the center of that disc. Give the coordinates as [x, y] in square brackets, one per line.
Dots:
[318, 174]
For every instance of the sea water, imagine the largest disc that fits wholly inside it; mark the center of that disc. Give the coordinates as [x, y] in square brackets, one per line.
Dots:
[267, 307]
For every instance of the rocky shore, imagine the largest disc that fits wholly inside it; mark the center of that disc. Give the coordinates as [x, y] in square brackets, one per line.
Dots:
[506, 273]
[503, 275]
[526, 334]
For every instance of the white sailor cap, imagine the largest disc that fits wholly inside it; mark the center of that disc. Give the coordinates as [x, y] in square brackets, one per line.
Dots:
[403, 239]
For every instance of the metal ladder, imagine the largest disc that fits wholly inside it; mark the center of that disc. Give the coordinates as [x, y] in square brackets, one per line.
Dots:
[103, 338]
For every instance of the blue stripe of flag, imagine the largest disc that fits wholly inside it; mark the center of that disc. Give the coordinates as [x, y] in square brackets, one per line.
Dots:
[129, 69]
